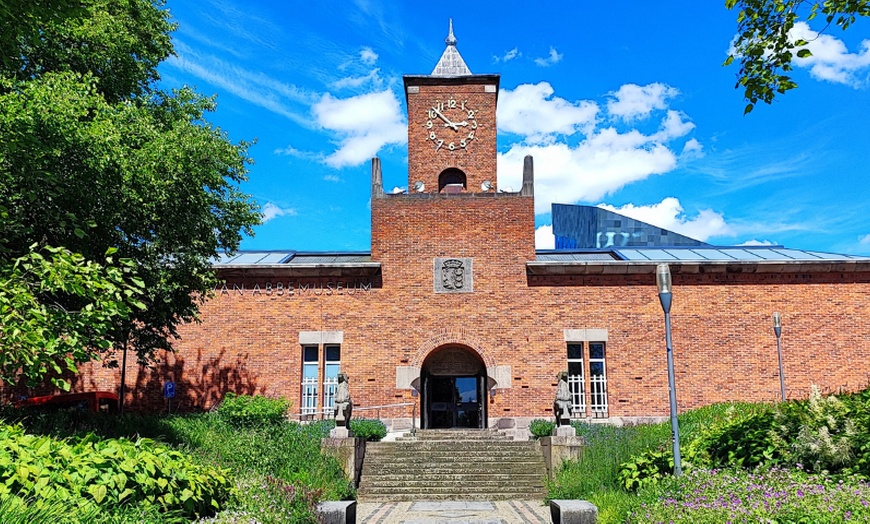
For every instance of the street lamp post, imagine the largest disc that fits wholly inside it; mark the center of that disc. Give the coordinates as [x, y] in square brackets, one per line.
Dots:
[777, 330]
[663, 281]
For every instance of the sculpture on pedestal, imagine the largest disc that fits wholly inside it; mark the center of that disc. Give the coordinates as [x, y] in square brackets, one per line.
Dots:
[562, 404]
[343, 404]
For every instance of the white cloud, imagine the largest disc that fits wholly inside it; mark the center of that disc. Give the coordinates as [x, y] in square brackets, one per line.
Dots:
[668, 214]
[692, 148]
[367, 56]
[255, 87]
[508, 56]
[332, 178]
[292, 151]
[364, 124]
[571, 168]
[754, 242]
[599, 165]
[544, 238]
[674, 126]
[632, 101]
[865, 240]
[532, 111]
[354, 82]
[271, 211]
[831, 59]
[553, 57]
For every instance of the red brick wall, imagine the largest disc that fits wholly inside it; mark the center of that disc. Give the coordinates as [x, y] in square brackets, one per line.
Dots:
[724, 346]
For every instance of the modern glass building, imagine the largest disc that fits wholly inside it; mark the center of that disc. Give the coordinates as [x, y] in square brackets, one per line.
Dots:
[589, 227]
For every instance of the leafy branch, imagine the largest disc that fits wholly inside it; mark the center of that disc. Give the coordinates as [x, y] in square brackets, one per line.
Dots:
[764, 47]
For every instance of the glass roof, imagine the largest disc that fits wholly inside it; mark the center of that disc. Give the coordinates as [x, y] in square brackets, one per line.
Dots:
[700, 254]
[269, 258]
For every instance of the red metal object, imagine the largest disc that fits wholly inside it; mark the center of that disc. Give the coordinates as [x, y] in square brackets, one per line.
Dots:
[94, 401]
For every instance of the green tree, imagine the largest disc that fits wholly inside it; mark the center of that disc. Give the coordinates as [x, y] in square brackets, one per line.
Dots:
[764, 48]
[95, 158]
[42, 334]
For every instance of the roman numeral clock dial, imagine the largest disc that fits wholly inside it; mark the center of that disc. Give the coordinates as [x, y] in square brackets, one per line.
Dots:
[451, 124]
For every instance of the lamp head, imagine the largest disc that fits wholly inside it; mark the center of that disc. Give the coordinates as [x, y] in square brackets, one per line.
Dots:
[663, 278]
[777, 324]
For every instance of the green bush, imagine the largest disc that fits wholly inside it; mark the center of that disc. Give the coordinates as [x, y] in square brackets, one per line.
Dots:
[742, 441]
[108, 473]
[816, 433]
[541, 428]
[372, 430]
[247, 410]
[646, 468]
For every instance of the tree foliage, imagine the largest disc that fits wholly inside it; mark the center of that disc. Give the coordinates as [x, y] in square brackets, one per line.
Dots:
[42, 336]
[764, 48]
[95, 158]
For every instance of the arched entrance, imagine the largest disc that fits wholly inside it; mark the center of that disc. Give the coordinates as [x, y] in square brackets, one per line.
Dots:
[453, 389]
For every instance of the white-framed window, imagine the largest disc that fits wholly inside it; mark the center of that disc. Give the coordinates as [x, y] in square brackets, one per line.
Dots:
[310, 378]
[598, 379]
[315, 399]
[332, 365]
[576, 378]
[587, 376]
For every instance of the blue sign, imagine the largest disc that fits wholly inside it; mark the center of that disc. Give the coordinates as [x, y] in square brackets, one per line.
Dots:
[169, 390]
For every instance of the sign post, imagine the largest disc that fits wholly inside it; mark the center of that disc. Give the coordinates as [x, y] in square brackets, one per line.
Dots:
[169, 393]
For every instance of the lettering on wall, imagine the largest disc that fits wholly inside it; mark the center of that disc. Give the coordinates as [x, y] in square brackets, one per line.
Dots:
[293, 288]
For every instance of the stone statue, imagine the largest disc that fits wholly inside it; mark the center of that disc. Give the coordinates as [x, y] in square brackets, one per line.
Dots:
[562, 404]
[343, 404]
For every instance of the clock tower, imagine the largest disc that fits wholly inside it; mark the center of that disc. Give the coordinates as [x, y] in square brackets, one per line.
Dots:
[451, 127]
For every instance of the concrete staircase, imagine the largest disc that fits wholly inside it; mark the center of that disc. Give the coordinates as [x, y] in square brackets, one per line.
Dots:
[452, 465]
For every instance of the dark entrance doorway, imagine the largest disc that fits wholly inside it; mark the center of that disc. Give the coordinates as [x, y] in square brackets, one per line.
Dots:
[453, 392]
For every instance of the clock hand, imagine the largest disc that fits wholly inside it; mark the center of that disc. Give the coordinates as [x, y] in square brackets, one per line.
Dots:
[446, 120]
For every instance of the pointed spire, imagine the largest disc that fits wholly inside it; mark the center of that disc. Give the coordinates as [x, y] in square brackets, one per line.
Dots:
[450, 40]
[451, 62]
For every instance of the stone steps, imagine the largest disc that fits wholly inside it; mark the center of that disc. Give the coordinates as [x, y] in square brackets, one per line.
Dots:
[452, 465]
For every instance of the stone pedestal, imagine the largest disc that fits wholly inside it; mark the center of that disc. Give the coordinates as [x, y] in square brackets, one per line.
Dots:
[349, 453]
[573, 512]
[565, 431]
[557, 449]
[340, 432]
[341, 512]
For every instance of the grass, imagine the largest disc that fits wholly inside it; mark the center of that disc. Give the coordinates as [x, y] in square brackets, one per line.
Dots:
[593, 477]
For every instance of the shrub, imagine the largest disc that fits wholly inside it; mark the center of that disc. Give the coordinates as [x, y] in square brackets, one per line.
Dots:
[743, 441]
[108, 473]
[541, 428]
[372, 430]
[247, 411]
[817, 432]
[646, 468]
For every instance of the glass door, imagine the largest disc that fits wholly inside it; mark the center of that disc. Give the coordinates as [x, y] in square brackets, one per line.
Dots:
[454, 402]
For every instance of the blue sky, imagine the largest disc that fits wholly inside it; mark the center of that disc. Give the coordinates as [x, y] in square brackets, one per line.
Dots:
[623, 104]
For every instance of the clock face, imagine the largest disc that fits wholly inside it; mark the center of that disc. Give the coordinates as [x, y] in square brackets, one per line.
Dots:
[451, 124]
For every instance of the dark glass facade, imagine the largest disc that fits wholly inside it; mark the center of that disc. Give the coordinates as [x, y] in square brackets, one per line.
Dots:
[588, 227]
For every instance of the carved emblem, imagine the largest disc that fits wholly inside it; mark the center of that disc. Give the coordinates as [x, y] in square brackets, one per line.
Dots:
[452, 274]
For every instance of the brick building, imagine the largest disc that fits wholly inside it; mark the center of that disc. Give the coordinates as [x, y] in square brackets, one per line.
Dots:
[455, 319]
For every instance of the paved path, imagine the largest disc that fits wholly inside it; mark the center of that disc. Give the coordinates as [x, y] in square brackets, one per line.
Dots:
[466, 512]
